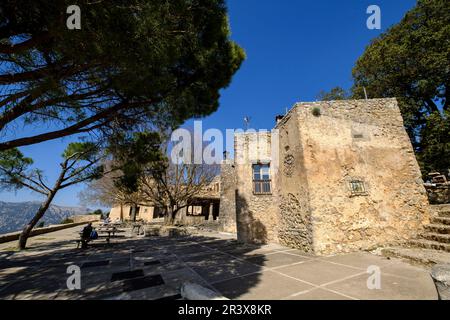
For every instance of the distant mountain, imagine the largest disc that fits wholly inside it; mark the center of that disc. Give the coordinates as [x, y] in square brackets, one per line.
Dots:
[14, 215]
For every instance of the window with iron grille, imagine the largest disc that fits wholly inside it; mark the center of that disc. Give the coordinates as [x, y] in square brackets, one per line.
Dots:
[357, 187]
[261, 179]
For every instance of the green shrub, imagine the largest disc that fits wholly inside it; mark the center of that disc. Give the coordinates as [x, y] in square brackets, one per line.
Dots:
[316, 112]
[40, 224]
[66, 221]
[96, 212]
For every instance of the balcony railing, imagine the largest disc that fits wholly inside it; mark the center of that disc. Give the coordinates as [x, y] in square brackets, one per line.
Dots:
[262, 187]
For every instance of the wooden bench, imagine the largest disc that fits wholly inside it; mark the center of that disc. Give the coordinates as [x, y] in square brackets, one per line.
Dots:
[81, 242]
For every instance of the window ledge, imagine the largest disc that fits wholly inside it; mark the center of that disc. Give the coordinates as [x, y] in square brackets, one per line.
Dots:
[364, 194]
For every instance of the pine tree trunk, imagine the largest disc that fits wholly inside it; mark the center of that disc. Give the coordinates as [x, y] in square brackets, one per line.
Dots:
[39, 214]
[41, 211]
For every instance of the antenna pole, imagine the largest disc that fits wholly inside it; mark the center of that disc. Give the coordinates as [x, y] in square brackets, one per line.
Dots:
[246, 122]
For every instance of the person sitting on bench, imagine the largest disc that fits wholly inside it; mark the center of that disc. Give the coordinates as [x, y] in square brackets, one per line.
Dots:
[86, 235]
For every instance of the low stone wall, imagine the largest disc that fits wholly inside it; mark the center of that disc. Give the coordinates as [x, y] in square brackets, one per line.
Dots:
[7, 237]
[193, 220]
[86, 218]
[438, 194]
[165, 231]
[212, 226]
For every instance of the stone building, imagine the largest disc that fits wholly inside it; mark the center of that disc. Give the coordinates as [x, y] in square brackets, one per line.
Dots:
[331, 177]
[146, 213]
[203, 209]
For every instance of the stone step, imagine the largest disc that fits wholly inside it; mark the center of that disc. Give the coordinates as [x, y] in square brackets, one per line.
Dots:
[420, 256]
[428, 244]
[442, 238]
[440, 220]
[440, 207]
[444, 214]
[438, 228]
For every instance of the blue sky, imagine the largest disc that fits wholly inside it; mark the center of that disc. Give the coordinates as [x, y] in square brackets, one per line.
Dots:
[295, 48]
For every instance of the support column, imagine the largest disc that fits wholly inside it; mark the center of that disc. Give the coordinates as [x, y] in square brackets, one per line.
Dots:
[211, 212]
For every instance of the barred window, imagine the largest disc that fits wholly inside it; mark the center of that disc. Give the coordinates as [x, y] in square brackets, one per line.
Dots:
[357, 187]
[261, 179]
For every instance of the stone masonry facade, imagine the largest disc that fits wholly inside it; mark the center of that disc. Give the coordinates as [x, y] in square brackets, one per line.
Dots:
[343, 177]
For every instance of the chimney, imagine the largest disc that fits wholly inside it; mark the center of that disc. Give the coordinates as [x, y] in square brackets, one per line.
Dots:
[278, 118]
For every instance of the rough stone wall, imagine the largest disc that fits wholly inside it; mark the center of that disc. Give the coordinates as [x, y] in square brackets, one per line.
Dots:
[295, 229]
[257, 215]
[227, 216]
[360, 140]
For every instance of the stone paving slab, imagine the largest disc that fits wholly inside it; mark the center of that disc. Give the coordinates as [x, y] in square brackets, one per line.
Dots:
[360, 260]
[180, 276]
[246, 251]
[392, 288]
[318, 272]
[260, 286]
[406, 271]
[276, 259]
[318, 294]
[220, 270]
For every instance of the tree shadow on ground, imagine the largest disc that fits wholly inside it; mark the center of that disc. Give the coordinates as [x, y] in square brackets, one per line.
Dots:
[209, 259]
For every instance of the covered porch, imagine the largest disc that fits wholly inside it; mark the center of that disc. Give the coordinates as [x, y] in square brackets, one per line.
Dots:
[200, 211]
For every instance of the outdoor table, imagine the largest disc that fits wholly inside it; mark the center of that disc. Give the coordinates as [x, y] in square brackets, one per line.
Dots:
[137, 226]
[109, 231]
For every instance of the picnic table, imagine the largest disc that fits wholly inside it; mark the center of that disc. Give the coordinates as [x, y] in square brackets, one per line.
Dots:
[105, 231]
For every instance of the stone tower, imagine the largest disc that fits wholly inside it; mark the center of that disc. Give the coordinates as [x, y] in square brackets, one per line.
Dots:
[344, 178]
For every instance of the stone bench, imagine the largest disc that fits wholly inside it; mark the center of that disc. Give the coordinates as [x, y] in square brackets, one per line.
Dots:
[441, 276]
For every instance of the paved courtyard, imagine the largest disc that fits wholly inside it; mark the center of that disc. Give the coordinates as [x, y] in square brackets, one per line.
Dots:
[155, 268]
